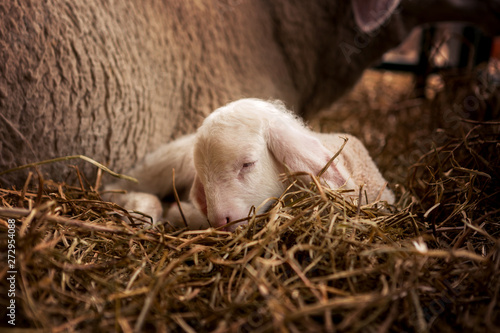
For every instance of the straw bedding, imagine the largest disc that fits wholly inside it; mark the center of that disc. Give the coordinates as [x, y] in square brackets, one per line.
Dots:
[314, 262]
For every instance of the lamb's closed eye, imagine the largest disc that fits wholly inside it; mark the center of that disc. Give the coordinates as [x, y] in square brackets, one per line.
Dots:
[246, 168]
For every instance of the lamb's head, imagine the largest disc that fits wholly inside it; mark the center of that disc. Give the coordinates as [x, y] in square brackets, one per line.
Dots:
[240, 151]
[235, 169]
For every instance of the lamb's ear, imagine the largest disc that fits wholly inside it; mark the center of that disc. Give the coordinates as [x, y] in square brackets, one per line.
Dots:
[299, 150]
[372, 14]
[197, 195]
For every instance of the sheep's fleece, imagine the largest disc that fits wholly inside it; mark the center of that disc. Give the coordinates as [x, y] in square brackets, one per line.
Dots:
[234, 162]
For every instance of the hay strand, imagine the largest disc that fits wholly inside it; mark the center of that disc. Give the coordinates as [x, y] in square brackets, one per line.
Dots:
[68, 158]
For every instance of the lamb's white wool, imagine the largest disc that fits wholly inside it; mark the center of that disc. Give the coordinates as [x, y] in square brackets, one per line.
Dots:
[235, 159]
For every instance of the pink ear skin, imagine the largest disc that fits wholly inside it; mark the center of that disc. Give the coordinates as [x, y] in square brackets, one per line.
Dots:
[370, 15]
[198, 196]
[300, 151]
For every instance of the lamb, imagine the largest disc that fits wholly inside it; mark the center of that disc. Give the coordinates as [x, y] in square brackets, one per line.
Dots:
[234, 161]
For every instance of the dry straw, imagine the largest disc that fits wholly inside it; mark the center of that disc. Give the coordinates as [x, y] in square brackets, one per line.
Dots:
[315, 262]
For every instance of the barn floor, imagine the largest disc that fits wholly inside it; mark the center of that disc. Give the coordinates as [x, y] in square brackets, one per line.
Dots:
[314, 263]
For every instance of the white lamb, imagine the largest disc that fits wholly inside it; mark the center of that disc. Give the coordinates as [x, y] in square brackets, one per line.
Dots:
[234, 162]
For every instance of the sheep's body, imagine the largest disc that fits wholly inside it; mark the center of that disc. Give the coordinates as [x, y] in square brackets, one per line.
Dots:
[234, 160]
[359, 164]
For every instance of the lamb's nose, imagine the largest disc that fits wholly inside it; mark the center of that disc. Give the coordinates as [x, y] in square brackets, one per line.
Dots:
[220, 221]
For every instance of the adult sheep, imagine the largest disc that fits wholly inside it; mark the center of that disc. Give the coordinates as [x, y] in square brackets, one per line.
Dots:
[114, 79]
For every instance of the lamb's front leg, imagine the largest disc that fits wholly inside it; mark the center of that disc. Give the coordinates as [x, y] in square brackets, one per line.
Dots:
[155, 181]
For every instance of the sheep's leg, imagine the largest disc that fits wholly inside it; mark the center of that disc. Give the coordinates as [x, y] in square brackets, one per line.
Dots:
[139, 204]
[155, 172]
[155, 179]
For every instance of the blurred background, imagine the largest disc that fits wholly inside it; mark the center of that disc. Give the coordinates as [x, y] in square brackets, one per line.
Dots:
[440, 78]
